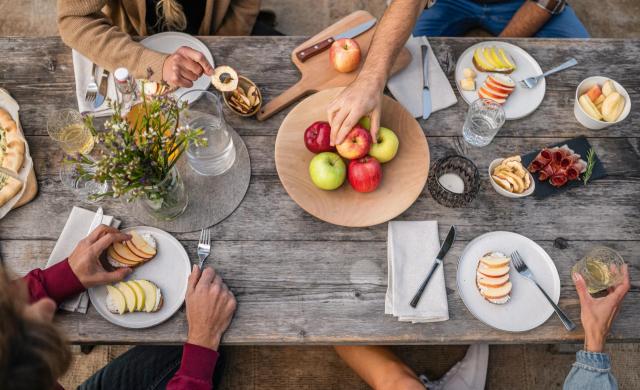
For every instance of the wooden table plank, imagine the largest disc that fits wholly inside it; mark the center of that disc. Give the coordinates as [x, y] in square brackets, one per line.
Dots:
[302, 281]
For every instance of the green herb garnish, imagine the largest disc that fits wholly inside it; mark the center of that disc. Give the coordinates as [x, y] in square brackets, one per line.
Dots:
[591, 162]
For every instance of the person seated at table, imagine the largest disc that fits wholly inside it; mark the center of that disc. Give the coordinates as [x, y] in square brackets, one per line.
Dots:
[381, 369]
[34, 353]
[102, 31]
[506, 18]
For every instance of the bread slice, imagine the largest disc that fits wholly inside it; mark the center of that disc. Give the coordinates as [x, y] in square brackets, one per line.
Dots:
[492, 277]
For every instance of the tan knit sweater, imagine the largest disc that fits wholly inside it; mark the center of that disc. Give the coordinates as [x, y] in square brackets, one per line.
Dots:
[101, 30]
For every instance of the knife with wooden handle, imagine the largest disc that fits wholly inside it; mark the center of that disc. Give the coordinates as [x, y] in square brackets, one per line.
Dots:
[319, 47]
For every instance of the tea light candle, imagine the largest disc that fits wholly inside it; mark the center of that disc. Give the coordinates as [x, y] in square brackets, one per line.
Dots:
[452, 182]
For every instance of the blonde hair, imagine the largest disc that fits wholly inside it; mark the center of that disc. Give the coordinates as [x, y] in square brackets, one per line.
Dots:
[171, 17]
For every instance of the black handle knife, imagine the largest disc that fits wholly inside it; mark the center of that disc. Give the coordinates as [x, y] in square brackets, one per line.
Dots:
[446, 245]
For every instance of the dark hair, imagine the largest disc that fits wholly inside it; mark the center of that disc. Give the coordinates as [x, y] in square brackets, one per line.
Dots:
[33, 354]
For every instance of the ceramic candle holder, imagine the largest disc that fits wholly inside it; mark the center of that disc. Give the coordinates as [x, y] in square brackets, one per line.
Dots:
[454, 181]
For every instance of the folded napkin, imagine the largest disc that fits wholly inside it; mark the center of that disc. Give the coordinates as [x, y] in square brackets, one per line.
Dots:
[412, 247]
[76, 228]
[406, 85]
[82, 71]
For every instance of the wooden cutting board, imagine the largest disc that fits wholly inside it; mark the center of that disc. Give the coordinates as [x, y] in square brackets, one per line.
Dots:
[317, 73]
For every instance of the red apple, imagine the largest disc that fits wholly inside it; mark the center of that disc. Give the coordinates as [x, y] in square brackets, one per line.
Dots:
[356, 145]
[345, 55]
[364, 174]
[317, 137]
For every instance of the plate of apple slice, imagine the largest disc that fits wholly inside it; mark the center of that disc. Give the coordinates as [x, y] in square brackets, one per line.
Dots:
[492, 70]
[155, 289]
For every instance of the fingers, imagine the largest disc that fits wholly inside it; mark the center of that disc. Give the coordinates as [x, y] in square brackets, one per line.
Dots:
[621, 289]
[351, 120]
[107, 240]
[581, 289]
[99, 232]
[375, 124]
[116, 276]
[193, 278]
[208, 275]
[197, 57]
[336, 125]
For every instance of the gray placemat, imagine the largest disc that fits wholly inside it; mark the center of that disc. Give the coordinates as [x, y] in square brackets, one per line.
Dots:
[211, 198]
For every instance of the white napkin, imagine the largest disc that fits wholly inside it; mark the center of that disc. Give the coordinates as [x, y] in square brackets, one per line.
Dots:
[406, 85]
[76, 228]
[82, 72]
[412, 247]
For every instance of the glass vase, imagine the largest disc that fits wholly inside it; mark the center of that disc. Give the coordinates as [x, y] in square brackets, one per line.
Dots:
[167, 199]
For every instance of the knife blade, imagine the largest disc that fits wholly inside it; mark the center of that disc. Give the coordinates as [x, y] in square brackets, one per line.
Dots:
[102, 89]
[446, 245]
[319, 47]
[97, 220]
[426, 92]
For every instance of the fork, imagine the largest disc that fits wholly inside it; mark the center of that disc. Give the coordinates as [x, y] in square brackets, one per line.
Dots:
[523, 270]
[92, 87]
[204, 246]
[531, 82]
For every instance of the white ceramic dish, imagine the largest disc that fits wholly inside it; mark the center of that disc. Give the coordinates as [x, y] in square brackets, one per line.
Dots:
[504, 192]
[169, 270]
[169, 42]
[527, 308]
[587, 121]
[522, 101]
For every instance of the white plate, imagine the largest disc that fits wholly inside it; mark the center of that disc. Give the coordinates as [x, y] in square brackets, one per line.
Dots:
[522, 101]
[169, 270]
[169, 42]
[527, 308]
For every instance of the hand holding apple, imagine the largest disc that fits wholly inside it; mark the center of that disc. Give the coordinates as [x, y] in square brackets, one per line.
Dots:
[317, 137]
[345, 55]
[327, 171]
[365, 174]
[356, 145]
[386, 147]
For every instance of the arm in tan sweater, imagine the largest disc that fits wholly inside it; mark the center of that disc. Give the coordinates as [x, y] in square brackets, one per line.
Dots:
[84, 27]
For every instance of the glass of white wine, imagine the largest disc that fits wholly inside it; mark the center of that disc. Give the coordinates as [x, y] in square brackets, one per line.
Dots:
[600, 268]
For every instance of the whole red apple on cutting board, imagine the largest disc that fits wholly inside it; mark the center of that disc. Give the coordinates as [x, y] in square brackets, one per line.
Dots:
[345, 55]
[317, 137]
[364, 174]
[356, 145]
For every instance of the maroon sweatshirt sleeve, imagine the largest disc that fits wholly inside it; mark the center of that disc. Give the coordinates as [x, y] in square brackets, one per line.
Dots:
[57, 282]
[196, 369]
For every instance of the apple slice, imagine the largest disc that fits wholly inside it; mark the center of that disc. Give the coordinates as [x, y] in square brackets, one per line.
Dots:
[493, 272]
[137, 251]
[151, 292]
[140, 295]
[505, 58]
[116, 257]
[496, 59]
[491, 83]
[485, 95]
[495, 260]
[148, 247]
[505, 81]
[129, 296]
[488, 281]
[123, 251]
[480, 62]
[499, 95]
[594, 93]
[115, 300]
[496, 292]
[486, 53]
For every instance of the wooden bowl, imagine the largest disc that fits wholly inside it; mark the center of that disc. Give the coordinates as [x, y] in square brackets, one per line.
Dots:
[245, 83]
[403, 178]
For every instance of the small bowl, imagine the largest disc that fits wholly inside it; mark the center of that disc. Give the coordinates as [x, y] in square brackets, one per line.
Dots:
[584, 118]
[245, 83]
[467, 172]
[504, 192]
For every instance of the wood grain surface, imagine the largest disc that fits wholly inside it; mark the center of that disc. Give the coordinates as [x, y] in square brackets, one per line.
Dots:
[403, 178]
[317, 73]
[300, 280]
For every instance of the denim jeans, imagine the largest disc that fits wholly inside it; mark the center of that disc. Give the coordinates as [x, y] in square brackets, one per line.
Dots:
[452, 18]
[591, 371]
[141, 368]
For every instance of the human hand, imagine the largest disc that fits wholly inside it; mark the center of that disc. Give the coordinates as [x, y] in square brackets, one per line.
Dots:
[362, 97]
[85, 258]
[597, 314]
[185, 66]
[210, 307]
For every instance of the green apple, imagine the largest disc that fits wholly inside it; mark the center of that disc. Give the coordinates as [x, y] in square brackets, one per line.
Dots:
[327, 170]
[386, 147]
[365, 122]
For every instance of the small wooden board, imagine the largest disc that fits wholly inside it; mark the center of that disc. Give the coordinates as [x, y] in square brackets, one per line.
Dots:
[318, 74]
[403, 178]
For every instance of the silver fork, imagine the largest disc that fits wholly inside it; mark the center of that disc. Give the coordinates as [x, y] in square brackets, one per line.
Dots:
[523, 270]
[533, 81]
[92, 88]
[204, 246]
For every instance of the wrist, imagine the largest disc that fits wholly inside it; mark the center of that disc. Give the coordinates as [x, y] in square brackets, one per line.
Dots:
[594, 342]
[204, 340]
[75, 268]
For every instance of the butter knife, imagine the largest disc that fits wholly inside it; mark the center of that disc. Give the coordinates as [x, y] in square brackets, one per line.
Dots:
[451, 236]
[426, 92]
[97, 220]
[102, 89]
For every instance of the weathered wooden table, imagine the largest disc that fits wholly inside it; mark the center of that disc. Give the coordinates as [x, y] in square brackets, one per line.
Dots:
[299, 280]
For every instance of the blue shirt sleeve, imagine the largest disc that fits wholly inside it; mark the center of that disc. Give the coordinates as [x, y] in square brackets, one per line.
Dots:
[591, 370]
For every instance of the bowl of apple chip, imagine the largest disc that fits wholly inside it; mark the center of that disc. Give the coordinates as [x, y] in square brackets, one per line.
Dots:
[510, 178]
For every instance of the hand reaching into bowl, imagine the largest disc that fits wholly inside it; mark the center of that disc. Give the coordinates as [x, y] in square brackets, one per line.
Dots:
[185, 66]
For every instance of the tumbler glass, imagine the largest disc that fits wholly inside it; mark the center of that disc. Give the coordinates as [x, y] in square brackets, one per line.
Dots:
[484, 119]
[600, 268]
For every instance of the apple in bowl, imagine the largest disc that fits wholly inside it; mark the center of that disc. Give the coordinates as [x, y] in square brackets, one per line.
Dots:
[345, 55]
[327, 171]
[317, 137]
[364, 174]
[356, 145]
[387, 146]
